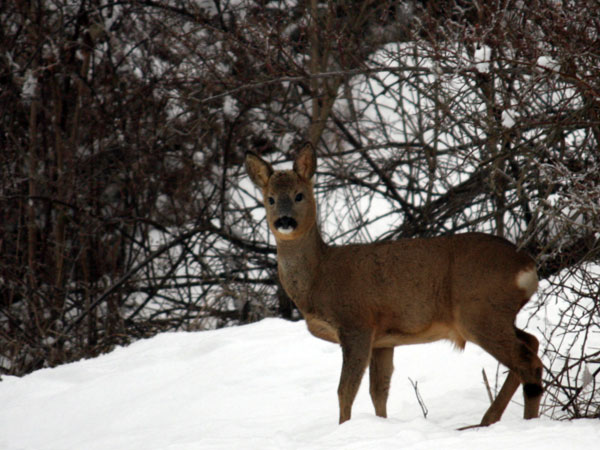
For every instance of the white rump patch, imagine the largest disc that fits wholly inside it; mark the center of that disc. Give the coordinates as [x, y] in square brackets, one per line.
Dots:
[528, 281]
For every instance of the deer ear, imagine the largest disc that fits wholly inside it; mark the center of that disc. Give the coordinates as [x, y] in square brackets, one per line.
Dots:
[258, 169]
[306, 162]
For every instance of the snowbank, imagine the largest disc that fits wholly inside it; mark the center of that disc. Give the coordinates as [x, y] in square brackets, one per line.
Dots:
[268, 385]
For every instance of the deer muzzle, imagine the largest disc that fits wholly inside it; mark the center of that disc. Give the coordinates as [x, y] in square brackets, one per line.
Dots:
[285, 224]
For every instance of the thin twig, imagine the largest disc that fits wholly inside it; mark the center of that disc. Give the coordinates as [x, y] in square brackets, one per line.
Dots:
[419, 398]
[487, 386]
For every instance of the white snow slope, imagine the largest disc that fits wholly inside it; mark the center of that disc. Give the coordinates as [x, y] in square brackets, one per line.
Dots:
[269, 385]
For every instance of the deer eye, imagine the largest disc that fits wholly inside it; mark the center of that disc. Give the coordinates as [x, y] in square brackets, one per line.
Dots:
[299, 197]
[271, 201]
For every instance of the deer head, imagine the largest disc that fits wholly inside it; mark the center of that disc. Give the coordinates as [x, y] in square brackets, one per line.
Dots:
[287, 194]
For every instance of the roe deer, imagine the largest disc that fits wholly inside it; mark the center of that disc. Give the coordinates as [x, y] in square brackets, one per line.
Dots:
[370, 298]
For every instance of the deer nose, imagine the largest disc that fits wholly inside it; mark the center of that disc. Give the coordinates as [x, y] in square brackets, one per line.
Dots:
[284, 205]
[285, 224]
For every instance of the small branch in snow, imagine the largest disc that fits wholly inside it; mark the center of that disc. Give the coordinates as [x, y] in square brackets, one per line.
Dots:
[487, 386]
[419, 398]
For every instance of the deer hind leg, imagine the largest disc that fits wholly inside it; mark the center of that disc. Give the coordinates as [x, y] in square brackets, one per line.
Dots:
[356, 351]
[517, 350]
[380, 375]
[532, 382]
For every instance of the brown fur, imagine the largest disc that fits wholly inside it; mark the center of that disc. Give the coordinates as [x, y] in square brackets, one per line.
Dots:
[370, 298]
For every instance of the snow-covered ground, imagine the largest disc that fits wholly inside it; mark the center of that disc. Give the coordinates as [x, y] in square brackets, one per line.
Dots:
[269, 385]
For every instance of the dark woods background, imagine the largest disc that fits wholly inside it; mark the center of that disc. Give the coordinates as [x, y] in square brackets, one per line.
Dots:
[125, 210]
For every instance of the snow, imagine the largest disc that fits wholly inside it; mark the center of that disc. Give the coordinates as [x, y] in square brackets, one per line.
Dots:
[548, 63]
[482, 58]
[508, 120]
[230, 108]
[269, 385]
[29, 88]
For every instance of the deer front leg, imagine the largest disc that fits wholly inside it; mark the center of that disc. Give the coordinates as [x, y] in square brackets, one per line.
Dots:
[380, 375]
[356, 351]
[494, 412]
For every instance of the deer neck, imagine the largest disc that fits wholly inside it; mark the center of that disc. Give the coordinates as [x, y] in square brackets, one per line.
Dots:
[298, 262]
